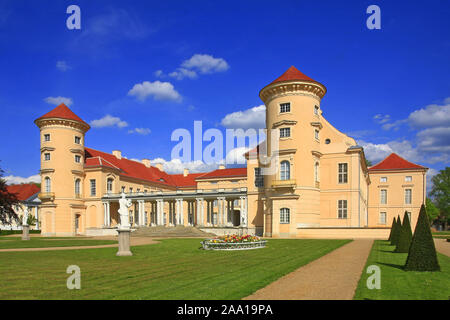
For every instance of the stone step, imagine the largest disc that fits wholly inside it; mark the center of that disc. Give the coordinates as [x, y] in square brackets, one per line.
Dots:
[177, 231]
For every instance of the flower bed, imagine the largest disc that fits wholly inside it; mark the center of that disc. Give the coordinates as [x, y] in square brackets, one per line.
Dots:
[234, 242]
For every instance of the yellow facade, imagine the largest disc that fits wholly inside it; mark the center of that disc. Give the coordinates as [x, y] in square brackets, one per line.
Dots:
[321, 186]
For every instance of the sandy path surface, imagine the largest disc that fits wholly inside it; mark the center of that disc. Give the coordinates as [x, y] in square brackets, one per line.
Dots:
[334, 276]
[134, 241]
[442, 246]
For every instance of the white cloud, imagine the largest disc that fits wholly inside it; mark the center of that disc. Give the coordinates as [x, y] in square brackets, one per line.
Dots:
[379, 118]
[431, 116]
[108, 121]
[182, 73]
[251, 118]
[377, 152]
[175, 166]
[205, 63]
[158, 73]
[18, 180]
[434, 139]
[62, 66]
[430, 174]
[159, 90]
[236, 156]
[141, 131]
[58, 100]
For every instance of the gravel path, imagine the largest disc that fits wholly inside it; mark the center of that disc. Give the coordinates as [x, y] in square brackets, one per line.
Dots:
[134, 241]
[334, 276]
[442, 246]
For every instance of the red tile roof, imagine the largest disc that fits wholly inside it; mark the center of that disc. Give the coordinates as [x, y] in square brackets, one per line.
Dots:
[62, 112]
[188, 181]
[293, 74]
[137, 170]
[23, 191]
[222, 173]
[395, 162]
[129, 168]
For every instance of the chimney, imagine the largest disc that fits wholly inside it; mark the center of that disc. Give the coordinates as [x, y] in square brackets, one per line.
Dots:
[185, 172]
[159, 166]
[221, 166]
[146, 162]
[117, 154]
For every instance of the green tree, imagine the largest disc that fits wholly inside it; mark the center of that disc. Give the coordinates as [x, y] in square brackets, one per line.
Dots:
[422, 252]
[394, 222]
[432, 211]
[368, 163]
[405, 238]
[7, 203]
[441, 194]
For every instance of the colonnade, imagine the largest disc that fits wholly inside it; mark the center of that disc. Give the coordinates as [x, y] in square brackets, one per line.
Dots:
[202, 212]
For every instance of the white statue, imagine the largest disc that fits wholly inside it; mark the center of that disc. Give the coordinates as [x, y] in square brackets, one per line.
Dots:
[123, 212]
[25, 217]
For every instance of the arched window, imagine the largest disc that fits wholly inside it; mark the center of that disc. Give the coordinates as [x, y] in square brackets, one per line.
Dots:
[48, 185]
[109, 185]
[285, 173]
[316, 172]
[77, 187]
[285, 215]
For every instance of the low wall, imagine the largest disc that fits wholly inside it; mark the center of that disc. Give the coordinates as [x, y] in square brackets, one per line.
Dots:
[343, 233]
[223, 231]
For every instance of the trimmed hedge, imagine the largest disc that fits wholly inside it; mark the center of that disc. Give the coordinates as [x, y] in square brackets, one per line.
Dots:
[405, 238]
[392, 228]
[8, 232]
[422, 252]
[396, 232]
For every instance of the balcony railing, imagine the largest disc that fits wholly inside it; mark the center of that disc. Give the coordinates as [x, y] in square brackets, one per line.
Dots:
[180, 192]
[46, 195]
[284, 183]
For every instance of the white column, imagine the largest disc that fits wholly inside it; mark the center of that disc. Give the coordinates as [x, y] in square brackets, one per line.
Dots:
[181, 212]
[200, 212]
[244, 206]
[141, 212]
[158, 212]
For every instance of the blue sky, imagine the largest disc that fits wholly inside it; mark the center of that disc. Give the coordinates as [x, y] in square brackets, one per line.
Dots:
[154, 66]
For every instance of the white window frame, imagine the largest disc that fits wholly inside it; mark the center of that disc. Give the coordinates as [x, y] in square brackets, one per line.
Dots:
[77, 138]
[45, 137]
[49, 156]
[285, 170]
[93, 187]
[343, 173]
[383, 200]
[287, 107]
[316, 110]
[259, 178]
[48, 184]
[109, 185]
[285, 216]
[408, 200]
[380, 220]
[316, 134]
[342, 209]
[77, 158]
[408, 178]
[77, 187]
[285, 132]
[383, 179]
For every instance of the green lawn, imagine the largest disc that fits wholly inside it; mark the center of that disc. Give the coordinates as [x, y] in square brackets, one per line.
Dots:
[173, 269]
[397, 284]
[38, 242]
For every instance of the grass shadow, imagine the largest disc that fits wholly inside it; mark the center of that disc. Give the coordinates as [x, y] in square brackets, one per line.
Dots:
[397, 266]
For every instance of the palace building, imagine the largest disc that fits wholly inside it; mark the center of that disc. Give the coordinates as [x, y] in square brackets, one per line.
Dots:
[322, 187]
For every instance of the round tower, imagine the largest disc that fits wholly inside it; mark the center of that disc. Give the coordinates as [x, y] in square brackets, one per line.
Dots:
[293, 121]
[62, 136]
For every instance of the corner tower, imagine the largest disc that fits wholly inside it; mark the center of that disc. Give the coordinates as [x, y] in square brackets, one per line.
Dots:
[293, 192]
[62, 136]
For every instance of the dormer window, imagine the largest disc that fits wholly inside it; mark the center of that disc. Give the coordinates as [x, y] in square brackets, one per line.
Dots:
[285, 107]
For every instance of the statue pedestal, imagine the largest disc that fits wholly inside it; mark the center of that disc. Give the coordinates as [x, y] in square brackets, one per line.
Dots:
[26, 232]
[124, 243]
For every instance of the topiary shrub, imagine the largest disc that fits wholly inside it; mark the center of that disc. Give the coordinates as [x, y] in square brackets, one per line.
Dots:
[396, 232]
[392, 229]
[405, 238]
[422, 252]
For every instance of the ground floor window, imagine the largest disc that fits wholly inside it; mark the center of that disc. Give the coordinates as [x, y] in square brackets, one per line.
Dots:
[382, 218]
[285, 215]
[342, 209]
